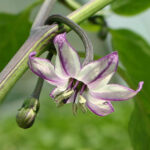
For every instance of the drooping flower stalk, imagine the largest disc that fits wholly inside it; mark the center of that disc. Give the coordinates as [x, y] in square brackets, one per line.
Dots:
[27, 113]
[81, 33]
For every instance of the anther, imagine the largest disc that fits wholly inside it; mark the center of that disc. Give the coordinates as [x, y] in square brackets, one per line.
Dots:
[81, 103]
[64, 95]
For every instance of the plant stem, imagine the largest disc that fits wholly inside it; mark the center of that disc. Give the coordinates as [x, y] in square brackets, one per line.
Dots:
[81, 33]
[43, 14]
[72, 4]
[88, 10]
[38, 22]
[39, 84]
[38, 42]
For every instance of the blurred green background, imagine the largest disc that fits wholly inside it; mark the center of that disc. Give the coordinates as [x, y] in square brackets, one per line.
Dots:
[55, 128]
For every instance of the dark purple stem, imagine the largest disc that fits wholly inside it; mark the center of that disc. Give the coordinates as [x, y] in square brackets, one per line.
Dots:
[82, 34]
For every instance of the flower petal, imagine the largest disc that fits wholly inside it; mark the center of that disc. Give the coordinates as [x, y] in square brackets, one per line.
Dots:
[67, 59]
[99, 70]
[100, 83]
[44, 69]
[99, 107]
[115, 92]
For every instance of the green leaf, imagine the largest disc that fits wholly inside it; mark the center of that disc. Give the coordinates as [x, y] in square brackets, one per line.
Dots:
[82, 55]
[88, 26]
[14, 30]
[130, 7]
[134, 54]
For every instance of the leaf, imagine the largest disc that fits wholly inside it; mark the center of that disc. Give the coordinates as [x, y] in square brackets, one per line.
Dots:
[82, 55]
[134, 54]
[130, 7]
[88, 26]
[14, 30]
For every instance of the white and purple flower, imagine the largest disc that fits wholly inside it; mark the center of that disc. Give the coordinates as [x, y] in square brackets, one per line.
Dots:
[82, 85]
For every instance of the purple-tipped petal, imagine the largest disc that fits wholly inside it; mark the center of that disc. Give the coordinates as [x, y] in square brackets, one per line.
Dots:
[99, 70]
[115, 92]
[67, 59]
[99, 107]
[44, 69]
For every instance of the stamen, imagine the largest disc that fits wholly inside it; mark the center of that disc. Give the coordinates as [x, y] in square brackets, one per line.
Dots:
[65, 95]
[82, 100]
[75, 96]
[82, 89]
[76, 84]
[74, 105]
[74, 108]
[70, 84]
[81, 103]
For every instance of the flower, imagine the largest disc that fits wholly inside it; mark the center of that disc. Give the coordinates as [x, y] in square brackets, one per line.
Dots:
[84, 86]
[27, 113]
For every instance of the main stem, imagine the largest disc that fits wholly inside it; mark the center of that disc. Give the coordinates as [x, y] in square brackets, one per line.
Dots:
[43, 14]
[38, 42]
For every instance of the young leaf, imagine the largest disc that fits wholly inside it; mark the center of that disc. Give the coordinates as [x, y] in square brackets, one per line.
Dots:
[134, 54]
[130, 7]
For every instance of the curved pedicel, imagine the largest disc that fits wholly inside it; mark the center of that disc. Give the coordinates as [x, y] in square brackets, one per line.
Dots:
[81, 33]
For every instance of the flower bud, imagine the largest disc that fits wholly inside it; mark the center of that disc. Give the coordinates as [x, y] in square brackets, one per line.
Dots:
[27, 113]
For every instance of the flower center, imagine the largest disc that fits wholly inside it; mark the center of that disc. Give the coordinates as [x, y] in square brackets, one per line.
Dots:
[74, 91]
[76, 85]
[78, 100]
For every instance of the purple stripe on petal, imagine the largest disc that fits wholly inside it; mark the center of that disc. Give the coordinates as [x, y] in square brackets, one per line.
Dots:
[115, 92]
[44, 69]
[63, 63]
[100, 83]
[52, 93]
[101, 68]
[68, 61]
[113, 57]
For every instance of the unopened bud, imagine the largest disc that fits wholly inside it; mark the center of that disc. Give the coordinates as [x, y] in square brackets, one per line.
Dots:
[27, 113]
